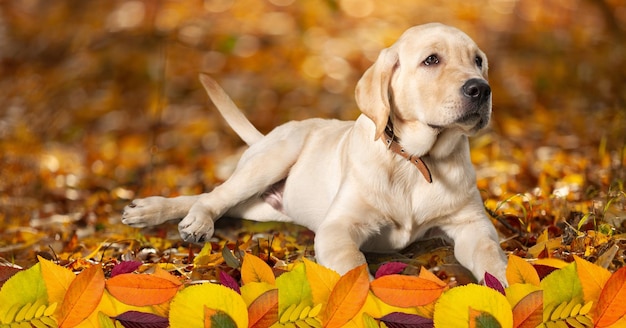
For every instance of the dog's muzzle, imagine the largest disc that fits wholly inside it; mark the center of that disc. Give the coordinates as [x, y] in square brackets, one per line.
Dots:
[477, 95]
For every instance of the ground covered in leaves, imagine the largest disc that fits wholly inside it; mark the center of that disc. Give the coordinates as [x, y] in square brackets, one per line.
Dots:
[101, 104]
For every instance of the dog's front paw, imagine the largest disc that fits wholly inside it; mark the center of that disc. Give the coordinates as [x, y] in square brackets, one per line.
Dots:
[196, 227]
[141, 213]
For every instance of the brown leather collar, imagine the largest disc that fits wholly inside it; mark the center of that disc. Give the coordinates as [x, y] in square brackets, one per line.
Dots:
[392, 144]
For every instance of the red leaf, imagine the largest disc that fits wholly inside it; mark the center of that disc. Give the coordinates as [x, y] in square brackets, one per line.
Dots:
[135, 319]
[390, 268]
[493, 282]
[125, 267]
[7, 272]
[230, 282]
[543, 270]
[405, 320]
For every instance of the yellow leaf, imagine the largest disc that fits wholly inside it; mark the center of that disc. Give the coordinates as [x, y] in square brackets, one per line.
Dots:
[187, 307]
[347, 297]
[516, 292]
[253, 269]
[57, 279]
[452, 308]
[555, 263]
[518, 271]
[252, 291]
[321, 279]
[592, 278]
[82, 297]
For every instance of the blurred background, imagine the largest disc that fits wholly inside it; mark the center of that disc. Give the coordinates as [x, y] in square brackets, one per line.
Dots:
[100, 100]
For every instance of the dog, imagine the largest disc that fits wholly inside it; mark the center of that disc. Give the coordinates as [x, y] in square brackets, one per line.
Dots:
[375, 184]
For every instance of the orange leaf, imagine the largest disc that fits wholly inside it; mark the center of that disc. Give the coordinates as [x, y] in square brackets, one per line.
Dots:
[406, 291]
[82, 297]
[592, 278]
[519, 271]
[610, 307]
[254, 269]
[263, 311]
[141, 289]
[528, 312]
[347, 298]
[425, 274]
[159, 272]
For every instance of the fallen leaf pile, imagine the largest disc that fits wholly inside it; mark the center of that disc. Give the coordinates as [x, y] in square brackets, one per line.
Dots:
[101, 104]
[542, 294]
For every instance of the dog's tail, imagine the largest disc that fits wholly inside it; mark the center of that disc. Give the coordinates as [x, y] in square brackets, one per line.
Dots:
[230, 112]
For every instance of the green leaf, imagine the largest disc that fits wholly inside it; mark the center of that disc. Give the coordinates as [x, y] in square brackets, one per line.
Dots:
[293, 288]
[562, 285]
[22, 288]
[479, 319]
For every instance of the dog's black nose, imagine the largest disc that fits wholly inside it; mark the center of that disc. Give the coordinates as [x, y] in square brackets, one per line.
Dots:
[476, 89]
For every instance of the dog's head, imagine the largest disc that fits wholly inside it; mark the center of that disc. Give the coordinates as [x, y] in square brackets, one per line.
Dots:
[434, 77]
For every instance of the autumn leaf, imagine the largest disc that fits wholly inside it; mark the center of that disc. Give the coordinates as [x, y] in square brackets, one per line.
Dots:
[453, 307]
[390, 268]
[560, 286]
[347, 297]
[592, 278]
[406, 291]
[24, 287]
[228, 281]
[254, 269]
[492, 282]
[405, 320]
[528, 312]
[293, 288]
[518, 271]
[82, 297]
[263, 311]
[610, 307]
[187, 309]
[321, 279]
[480, 319]
[141, 289]
[515, 293]
[125, 267]
[217, 319]
[426, 274]
[57, 279]
[142, 319]
[253, 290]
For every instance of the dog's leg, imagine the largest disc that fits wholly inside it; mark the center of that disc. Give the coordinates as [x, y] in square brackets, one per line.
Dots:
[261, 166]
[155, 210]
[476, 246]
[344, 230]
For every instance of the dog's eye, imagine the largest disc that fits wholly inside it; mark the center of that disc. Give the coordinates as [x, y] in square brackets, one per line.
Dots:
[479, 61]
[431, 60]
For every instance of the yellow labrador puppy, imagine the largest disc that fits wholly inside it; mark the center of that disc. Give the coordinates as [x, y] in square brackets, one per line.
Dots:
[374, 184]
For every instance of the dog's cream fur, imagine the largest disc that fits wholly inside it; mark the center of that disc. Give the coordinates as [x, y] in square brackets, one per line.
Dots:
[338, 179]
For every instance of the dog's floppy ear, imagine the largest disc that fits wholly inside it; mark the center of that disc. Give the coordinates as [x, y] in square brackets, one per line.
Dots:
[372, 90]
